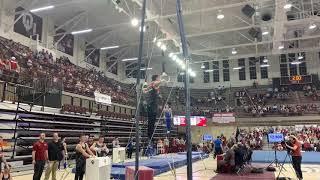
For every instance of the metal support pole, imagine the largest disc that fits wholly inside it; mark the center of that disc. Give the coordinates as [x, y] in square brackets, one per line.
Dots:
[187, 89]
[138, 88]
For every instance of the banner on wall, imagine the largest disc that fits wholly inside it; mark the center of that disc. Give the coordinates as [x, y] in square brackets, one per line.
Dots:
[66, 44]
[223, 118]
[102, 98]
[28, 25]
[92, 55]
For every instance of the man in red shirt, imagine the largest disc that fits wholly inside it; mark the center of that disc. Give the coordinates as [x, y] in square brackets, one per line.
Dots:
[296, 155]
[39, 156]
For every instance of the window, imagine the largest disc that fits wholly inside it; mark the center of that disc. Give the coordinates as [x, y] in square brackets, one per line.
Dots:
[293, 69]
[242, 71]
[303, 68]
[252, 68]
[283, 70]
[206, 75]
[215, 67]
[291, 57]
[283, 58]
[263, 70]
[226, 71]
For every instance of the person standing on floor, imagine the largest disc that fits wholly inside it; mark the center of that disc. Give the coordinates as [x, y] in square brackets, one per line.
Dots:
[296, 155]
[82, 153]
[55, 152]
[130, 148]
[39, 156]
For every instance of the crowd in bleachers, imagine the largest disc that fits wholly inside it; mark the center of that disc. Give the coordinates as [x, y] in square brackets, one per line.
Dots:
[20, 61]
[308, 136]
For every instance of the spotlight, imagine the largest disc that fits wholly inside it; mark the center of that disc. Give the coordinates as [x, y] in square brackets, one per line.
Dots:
[265, 33]
[287, 5]
[281, 47]
[234, 51]
[237, 68]
[296, 62]
[163, 47]
[203, 66]
[220, 15]
[183, 66]
[170, 55]
[312, 26]
[159, 43]
[300, 57]
[134, 22]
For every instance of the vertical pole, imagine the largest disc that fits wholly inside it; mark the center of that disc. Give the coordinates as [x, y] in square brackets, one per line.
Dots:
[138, 89]
[187, 89]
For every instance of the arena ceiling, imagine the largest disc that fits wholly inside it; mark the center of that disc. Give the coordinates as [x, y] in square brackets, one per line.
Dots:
[209, 38]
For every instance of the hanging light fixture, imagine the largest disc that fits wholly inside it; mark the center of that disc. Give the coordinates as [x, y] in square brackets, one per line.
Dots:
[220, 15]
[234, 51]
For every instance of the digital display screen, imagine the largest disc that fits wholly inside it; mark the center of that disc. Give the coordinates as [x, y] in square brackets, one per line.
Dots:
[207, 137]
[194, 120]
[275, 137]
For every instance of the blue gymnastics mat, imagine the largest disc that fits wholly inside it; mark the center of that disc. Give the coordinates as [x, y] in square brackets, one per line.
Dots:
[160, 164]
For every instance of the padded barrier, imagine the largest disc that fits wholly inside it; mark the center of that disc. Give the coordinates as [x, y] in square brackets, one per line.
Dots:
[268, 156]
[160, 164]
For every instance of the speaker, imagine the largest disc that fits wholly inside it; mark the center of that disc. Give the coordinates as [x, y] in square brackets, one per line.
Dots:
[254, 32]
[248, 10]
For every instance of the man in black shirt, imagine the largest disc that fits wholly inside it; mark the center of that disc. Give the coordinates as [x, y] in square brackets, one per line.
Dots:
[55, 152]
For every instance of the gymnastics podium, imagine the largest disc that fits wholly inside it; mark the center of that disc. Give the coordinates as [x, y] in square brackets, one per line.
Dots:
[98, 168]
[118, 155]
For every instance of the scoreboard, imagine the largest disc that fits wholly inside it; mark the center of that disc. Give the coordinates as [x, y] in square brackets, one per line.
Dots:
[297, 79]
[195, 121]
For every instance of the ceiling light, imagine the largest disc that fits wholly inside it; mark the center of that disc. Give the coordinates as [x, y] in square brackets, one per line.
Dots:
[300, 57]
[81, 31]
[264, 65]
[312, 26]
[130, 59]
[209, 70]
[41, 9]
[237, 68]
[296, 62]
[159, 43]
[170, 55]
[234, 51]
[134, 22]
[163, 47]
[174, 57]
[192, 74]
[203, 66]
[281, 47]
[287, 6]
[144, 29]
[143, 69]
[183, 66]
[110, 47]
[265, 60]
[265, 33]
[154, 39]
[220, 15]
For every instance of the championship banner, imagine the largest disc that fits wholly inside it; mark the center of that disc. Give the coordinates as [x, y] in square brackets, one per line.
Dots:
[102, 98]
[223, 118]
[28, 25]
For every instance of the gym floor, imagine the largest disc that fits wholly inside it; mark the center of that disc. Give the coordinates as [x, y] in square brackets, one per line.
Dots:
[204, 170]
